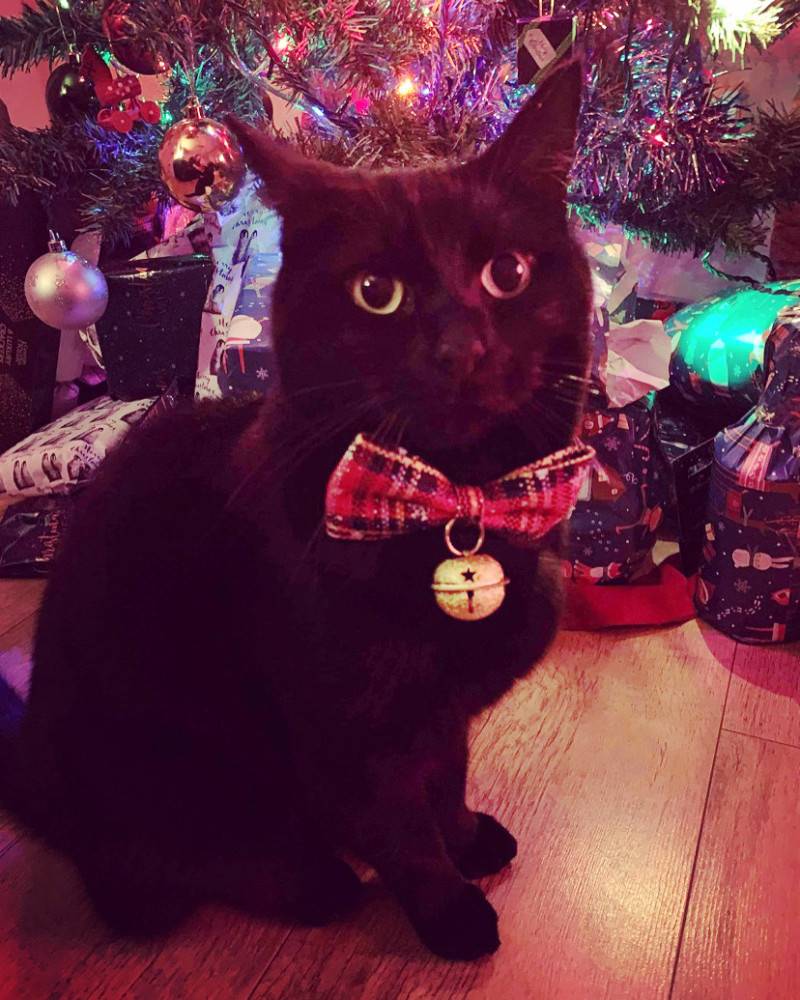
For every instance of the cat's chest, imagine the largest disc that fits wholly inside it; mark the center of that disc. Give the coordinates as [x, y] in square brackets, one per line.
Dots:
[374, 586]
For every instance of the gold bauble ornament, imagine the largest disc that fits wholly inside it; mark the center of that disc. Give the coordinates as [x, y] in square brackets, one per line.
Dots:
[469, 586]
[201, 163]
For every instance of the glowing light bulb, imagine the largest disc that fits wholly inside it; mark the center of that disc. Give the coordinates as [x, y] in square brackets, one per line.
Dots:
[405, 87]
[282, 43]
[734, 23]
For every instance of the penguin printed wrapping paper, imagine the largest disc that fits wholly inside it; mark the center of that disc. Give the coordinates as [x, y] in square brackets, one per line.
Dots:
[235, 354]
[63, 455]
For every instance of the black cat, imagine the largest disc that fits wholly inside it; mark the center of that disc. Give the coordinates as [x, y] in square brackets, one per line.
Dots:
[223, 697]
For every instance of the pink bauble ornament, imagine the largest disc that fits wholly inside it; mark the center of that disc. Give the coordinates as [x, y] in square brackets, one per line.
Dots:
[65, 291]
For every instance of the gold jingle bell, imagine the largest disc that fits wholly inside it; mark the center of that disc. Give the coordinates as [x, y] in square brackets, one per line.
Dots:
[470, 586]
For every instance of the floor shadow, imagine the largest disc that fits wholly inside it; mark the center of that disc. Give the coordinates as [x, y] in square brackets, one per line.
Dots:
[775, 668]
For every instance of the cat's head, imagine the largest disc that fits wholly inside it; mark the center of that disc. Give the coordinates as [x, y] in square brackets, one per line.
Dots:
[450, 302]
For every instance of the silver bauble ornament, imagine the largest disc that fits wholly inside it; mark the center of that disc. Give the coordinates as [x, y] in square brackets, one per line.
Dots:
[202, 164]
[64, 290]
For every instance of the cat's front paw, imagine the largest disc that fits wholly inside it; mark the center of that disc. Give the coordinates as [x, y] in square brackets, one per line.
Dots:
[464, 929]
[491, 850]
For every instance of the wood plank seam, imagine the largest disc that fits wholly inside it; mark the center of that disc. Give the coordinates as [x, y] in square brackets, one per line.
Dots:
[26, 617]
[9, 845]
[695, 859]
[254, 991]
[764, 739]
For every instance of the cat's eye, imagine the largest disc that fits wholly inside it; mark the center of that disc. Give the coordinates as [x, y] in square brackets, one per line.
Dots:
[506, 275]
[377, 293]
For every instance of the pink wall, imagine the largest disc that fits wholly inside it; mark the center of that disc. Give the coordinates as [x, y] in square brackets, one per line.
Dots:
[23, 93]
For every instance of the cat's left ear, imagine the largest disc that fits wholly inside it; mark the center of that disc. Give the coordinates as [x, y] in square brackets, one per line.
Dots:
[287, 177]
[537, 148]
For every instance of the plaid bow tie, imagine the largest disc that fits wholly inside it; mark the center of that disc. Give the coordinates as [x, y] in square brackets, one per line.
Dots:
[376, 493]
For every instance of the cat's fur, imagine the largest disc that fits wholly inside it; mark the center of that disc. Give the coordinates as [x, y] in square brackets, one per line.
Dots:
[223, 698]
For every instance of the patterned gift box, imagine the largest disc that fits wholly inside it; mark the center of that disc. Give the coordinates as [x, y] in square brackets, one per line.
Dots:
[614, 525]
[30, 533]
[236, 353]
[749, 585]
[63, 455]
[543, 42]
[248, 356]
[150, 332]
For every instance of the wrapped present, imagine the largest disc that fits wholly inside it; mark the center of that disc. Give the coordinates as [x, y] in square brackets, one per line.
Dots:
[749, 584]
[685, 438]
[718, 346]
[613, 261]
[30, 533]
[235, 341]
[637, 360]
[543, 42]
[614, 525]
[63, 455]
[248, 357]
[150, 332]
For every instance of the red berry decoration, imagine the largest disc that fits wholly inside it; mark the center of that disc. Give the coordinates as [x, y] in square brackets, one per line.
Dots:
[127, 45]
[119, 96]
[149, 112]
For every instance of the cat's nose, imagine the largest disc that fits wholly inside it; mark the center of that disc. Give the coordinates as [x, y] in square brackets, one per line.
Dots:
[459, 356]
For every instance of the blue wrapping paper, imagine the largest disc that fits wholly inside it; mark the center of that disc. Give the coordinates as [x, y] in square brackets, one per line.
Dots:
[613, 528]
[749, 584]
[614, 524]
[247, 363]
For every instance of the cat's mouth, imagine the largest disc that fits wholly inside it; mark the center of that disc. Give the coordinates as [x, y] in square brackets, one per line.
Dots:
[461, 420]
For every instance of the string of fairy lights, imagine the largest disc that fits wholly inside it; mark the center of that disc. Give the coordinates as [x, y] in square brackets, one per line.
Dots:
[662, 139]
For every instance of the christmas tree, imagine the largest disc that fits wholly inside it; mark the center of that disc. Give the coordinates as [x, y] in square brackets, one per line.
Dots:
[664, 150]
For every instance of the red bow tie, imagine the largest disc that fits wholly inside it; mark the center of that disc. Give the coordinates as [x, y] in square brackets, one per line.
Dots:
[376, 493]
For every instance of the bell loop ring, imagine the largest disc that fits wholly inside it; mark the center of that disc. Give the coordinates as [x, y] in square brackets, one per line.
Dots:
[448, 531]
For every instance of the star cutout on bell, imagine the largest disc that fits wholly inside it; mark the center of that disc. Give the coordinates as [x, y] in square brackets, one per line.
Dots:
[469, 574]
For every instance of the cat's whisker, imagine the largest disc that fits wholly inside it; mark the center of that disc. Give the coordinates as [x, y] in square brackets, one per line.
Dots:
[323, 387]
[548, 417]
[298, 451]
[569, 377]
[390, 424]
[566, 370]
[323, 433]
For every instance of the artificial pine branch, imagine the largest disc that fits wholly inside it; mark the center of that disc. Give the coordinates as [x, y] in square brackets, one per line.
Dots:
[661, 152]
[44, 32]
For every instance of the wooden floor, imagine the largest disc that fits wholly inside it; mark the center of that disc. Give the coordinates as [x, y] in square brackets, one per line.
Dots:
[652, 780]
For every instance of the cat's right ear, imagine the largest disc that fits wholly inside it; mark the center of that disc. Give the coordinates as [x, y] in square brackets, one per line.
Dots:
[286, 175]
[536, 150]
